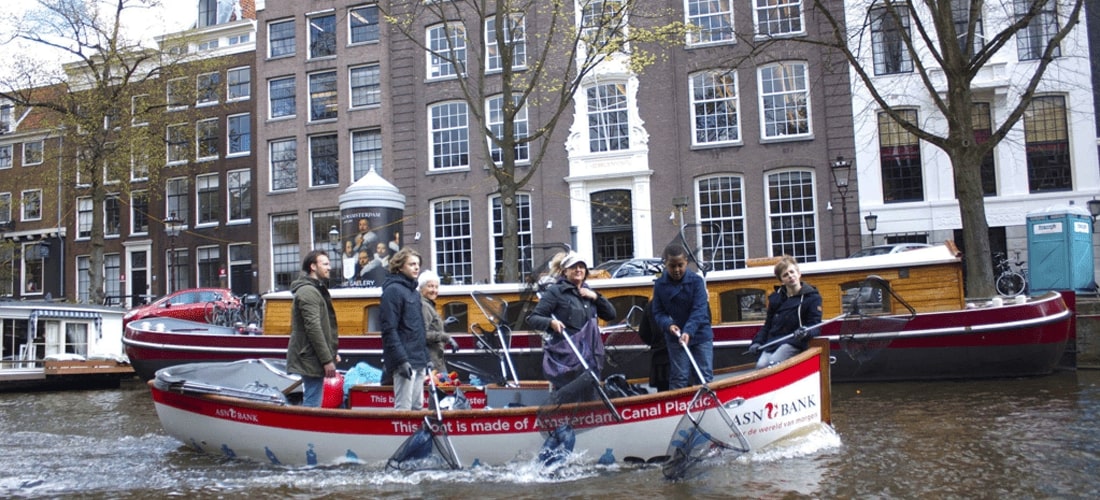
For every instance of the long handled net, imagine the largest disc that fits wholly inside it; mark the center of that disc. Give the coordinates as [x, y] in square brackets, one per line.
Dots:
[865, 334]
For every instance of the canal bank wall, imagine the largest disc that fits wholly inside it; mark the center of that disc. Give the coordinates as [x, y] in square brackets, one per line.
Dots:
[1087, 348]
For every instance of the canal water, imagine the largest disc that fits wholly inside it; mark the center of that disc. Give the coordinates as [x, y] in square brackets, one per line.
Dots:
[1009, 438]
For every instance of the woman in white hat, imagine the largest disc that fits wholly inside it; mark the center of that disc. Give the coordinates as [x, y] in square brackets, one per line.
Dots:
[568, 307]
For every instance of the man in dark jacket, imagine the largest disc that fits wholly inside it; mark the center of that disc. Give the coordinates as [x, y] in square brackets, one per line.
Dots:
[404, 349]
[313, 335]
[793, 308]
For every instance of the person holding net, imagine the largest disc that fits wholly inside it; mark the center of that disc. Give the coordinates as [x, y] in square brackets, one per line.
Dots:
[681, 312]
[566, 308]
[792, 308]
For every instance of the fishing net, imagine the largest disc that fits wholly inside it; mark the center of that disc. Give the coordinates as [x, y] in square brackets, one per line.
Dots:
[864, 334]
[426, 449]
[705, 429]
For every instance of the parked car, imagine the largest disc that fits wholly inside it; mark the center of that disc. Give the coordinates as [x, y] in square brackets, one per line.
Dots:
[886, 249]
[622, 268]
[189, 304]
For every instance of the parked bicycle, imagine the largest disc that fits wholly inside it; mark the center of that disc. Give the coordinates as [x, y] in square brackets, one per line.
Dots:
[1010, 282]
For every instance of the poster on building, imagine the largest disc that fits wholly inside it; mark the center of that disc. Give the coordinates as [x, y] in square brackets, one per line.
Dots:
[368, 237]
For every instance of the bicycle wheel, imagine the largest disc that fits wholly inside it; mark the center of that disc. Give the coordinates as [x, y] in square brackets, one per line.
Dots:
[1010, 284]
[210, 313]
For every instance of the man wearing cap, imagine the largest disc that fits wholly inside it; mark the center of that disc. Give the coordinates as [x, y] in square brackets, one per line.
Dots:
[567, 307]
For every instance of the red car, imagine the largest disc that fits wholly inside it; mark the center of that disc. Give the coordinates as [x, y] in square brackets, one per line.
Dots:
[189, 304]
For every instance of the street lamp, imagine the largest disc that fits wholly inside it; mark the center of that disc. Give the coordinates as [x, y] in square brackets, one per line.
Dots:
[872, 224]
[334, 243]
[172, 229]
[841, 169]
[1094, 209]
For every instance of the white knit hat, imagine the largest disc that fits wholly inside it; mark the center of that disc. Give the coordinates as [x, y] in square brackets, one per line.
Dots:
[572, 259]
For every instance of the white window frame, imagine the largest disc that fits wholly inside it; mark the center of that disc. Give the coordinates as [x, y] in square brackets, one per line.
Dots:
[371, 91]
[704, 34]
[172, 88]
[310, 33]
[202, 126]
[6, 156]
[597, 117]
[230, 152]
[324, 94]
[135, 214]
[207, 190]
[5, 207]
[294, 38]
[39, 157]
[724, 201]
[762, 10]
[293, 98]
[203, 89]
[436, 40]
[272, 160]
[231, 83]
[447, 242]
[334, 139]
[525, 233]
[715, 90]
[362, 159]
[789, 70]
[24, 204]
[495, 120]
[774, 228]
[84, 218]
[437, 136]
[178, 147]
[238, 181]
[353, 14]
[515, 34]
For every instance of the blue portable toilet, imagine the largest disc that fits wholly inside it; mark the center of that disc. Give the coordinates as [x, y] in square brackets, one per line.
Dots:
[1059, 249]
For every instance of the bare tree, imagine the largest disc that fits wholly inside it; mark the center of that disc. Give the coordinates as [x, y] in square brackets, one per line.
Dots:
[949, 43]
[108, 104]
[522, 68]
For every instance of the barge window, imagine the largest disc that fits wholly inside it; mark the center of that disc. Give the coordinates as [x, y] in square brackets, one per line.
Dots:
[878, 302]
[743, 304]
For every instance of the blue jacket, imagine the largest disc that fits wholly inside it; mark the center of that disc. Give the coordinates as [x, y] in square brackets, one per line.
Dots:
[685, 304]
[787, 314]
[403, 333]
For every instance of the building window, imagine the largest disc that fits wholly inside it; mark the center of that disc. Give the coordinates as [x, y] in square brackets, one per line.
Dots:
[602, 21]
[363, 24]
[176, 137]
[83, 218]
[83, 278]
[208, 13]
[960, 13]
[324, 220]
[366, 152]
[5, 156]
[450, 135]
[791, 222]
[139, 212]
[207, 88]
[899, 154]
[322, 36]
[1046, 138]
[5, 207]
[889, 30]
[139, 163]
[176, 199]
[112, 216]
[284, 164]
[206, 139]
[207, 199]
[715, 107]
[982, 119]
[608, 124]
[515, 36]
[452, 241]
[32, 204]
[179, 269]
[526, 258]
[239, 192]
[176, 92]
[239, 134]
[209, 261]
[280, 38]
[495, 111]
[612, 224]
[778, 17]
[712, 21]
[323, 166]
[139, 109]
[446, 50]
[1032, 40]
[285, 257]
[366, 89]
[722, 206]
[33, 153]
[112, 286]
[322, 96]
[784, 100]
[239, 84]
[281, 94]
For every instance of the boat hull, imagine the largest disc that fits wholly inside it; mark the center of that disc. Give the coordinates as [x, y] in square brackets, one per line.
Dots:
[1007, 341]
[778, 402]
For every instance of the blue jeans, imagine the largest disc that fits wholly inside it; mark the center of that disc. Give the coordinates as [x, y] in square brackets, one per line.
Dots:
[681, 373]
[313, 389]
[780, 354]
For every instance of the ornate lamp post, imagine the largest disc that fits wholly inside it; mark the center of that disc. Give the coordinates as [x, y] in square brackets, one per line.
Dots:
[1094, 209]
[872, 224]
[172, 229]
[334, 243]
[841, 169]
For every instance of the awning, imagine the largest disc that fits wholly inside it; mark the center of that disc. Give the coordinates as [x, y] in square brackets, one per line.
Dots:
[63, 314]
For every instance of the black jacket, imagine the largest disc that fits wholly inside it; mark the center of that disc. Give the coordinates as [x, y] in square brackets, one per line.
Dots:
[787, 314]
[403, 333]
